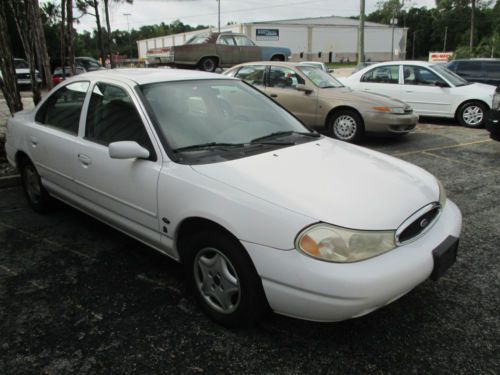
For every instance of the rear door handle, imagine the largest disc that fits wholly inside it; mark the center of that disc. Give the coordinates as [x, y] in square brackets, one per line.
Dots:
[273, 95]
[85, 159]
[408, 91]
[34, 141]
[367, 89]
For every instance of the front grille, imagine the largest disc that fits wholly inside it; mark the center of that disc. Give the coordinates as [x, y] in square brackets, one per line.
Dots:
[418, 225]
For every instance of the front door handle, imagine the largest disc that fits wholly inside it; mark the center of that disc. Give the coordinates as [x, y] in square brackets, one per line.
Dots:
[34, 141]
[85, 159]
[273, 95]
[367, 89]
[408, 91]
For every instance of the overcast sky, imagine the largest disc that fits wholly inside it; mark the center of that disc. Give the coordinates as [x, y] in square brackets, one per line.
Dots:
[195, 12]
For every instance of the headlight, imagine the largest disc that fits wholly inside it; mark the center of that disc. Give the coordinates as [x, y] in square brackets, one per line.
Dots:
[395, 110]
[496, 102]
[341, 245]
[442, 194]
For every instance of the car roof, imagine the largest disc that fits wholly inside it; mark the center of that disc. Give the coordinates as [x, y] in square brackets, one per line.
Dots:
[403, 62]
[276, 63]
[143, 76]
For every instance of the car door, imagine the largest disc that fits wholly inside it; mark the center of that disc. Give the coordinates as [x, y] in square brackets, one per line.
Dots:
[382, 80]
[53, 136]
[227, 50]
[122, 190]
[492, 70]
[426, 92]
[282, 86]
[248, 50]
[471, 71]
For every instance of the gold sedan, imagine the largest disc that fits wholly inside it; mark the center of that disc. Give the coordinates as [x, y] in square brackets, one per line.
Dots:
[321, 101]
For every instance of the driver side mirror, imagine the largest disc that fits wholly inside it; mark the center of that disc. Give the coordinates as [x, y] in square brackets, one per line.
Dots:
[304, 88]
[127, 150]
[331, 70]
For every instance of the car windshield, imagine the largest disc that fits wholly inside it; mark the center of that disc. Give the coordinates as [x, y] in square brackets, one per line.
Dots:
[21, 64]
[320, 78]
[203, 114]
[451, 77]
[198, 39]
[88, 63]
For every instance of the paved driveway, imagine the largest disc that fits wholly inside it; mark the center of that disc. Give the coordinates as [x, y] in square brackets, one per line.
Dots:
[77, 297]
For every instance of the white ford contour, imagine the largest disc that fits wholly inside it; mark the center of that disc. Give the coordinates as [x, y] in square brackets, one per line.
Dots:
[262, 211]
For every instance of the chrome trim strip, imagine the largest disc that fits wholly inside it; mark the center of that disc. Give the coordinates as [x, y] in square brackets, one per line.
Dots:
[413, 218]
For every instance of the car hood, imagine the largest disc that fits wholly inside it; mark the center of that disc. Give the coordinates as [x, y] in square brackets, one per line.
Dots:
[332, 182]
[354, 96]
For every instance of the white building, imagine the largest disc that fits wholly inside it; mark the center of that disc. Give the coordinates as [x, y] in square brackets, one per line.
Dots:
[327, 39]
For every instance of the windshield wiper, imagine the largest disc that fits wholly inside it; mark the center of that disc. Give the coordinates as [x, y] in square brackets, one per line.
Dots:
[283, 134]
[208, 145]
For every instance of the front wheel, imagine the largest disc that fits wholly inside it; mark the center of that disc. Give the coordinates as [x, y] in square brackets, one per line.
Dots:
[208, 64]
[471, 114]
[224, 279]
[38, 198]
[346, 125]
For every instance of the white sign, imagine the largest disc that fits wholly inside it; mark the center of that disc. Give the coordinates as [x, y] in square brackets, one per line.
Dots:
[440, 56]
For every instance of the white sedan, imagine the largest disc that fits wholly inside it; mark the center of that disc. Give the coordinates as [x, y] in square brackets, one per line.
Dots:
[261, 211]
[431, 89]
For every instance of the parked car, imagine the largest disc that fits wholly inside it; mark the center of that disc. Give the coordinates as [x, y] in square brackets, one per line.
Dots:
[259, 209]
[23, 73]
[58, 76]
[88, 64]
[477, 70]
[208, 51]
[316, 64]
[321, 101]
[431, 89]
[493, 119]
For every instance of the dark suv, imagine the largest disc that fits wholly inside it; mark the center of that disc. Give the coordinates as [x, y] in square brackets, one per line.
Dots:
[477, 70]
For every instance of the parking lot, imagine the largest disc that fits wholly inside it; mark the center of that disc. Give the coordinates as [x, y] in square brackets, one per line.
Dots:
[79, 297]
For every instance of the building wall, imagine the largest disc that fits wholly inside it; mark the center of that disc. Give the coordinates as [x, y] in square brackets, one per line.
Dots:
[310, 39]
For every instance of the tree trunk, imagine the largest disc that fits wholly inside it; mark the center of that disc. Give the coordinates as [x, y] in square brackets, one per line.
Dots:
[8, 84]
[20, 11]
[108, 27]
[99, 30]
[41, 44]
[472, 15]
[70, 36]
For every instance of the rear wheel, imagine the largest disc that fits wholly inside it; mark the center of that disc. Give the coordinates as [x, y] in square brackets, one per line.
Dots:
[277, 58]
[208, 64]
[224, 279]
[346, 125]
[38, 198]
[471, 114]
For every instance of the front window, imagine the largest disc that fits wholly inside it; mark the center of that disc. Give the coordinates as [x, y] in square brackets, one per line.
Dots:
[419, 75]
[243, 41]
[216, 112]
[284, 78]
[112, 117]
[451, 77]
[320, 78]
[226, 40]
[382, 74]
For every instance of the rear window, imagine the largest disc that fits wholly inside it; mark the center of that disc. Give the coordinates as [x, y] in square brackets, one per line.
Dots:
[492, 69]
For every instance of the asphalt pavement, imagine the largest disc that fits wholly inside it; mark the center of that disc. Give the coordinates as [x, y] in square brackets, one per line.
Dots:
[77, 297]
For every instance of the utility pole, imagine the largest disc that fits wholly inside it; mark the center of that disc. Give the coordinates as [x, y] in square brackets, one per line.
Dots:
[361, 32]
[218, 12]
[128, 30]
[445, 36]
[473, 11]
[394, 20]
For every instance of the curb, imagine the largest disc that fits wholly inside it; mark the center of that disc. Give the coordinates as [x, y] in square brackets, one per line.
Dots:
[10, 181]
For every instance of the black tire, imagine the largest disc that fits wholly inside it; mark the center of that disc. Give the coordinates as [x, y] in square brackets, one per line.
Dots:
[346, 125]
[208, 64]
[245, 304]
[38, 198]
[277, 58]
[472, 114]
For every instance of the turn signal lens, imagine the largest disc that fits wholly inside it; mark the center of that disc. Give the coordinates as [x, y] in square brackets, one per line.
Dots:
[309, 246]
[442, 194]
[382, 109]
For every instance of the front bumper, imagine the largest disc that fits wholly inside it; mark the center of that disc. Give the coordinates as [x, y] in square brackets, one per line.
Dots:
[380, 122]
[493, 124]
[306, 288]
